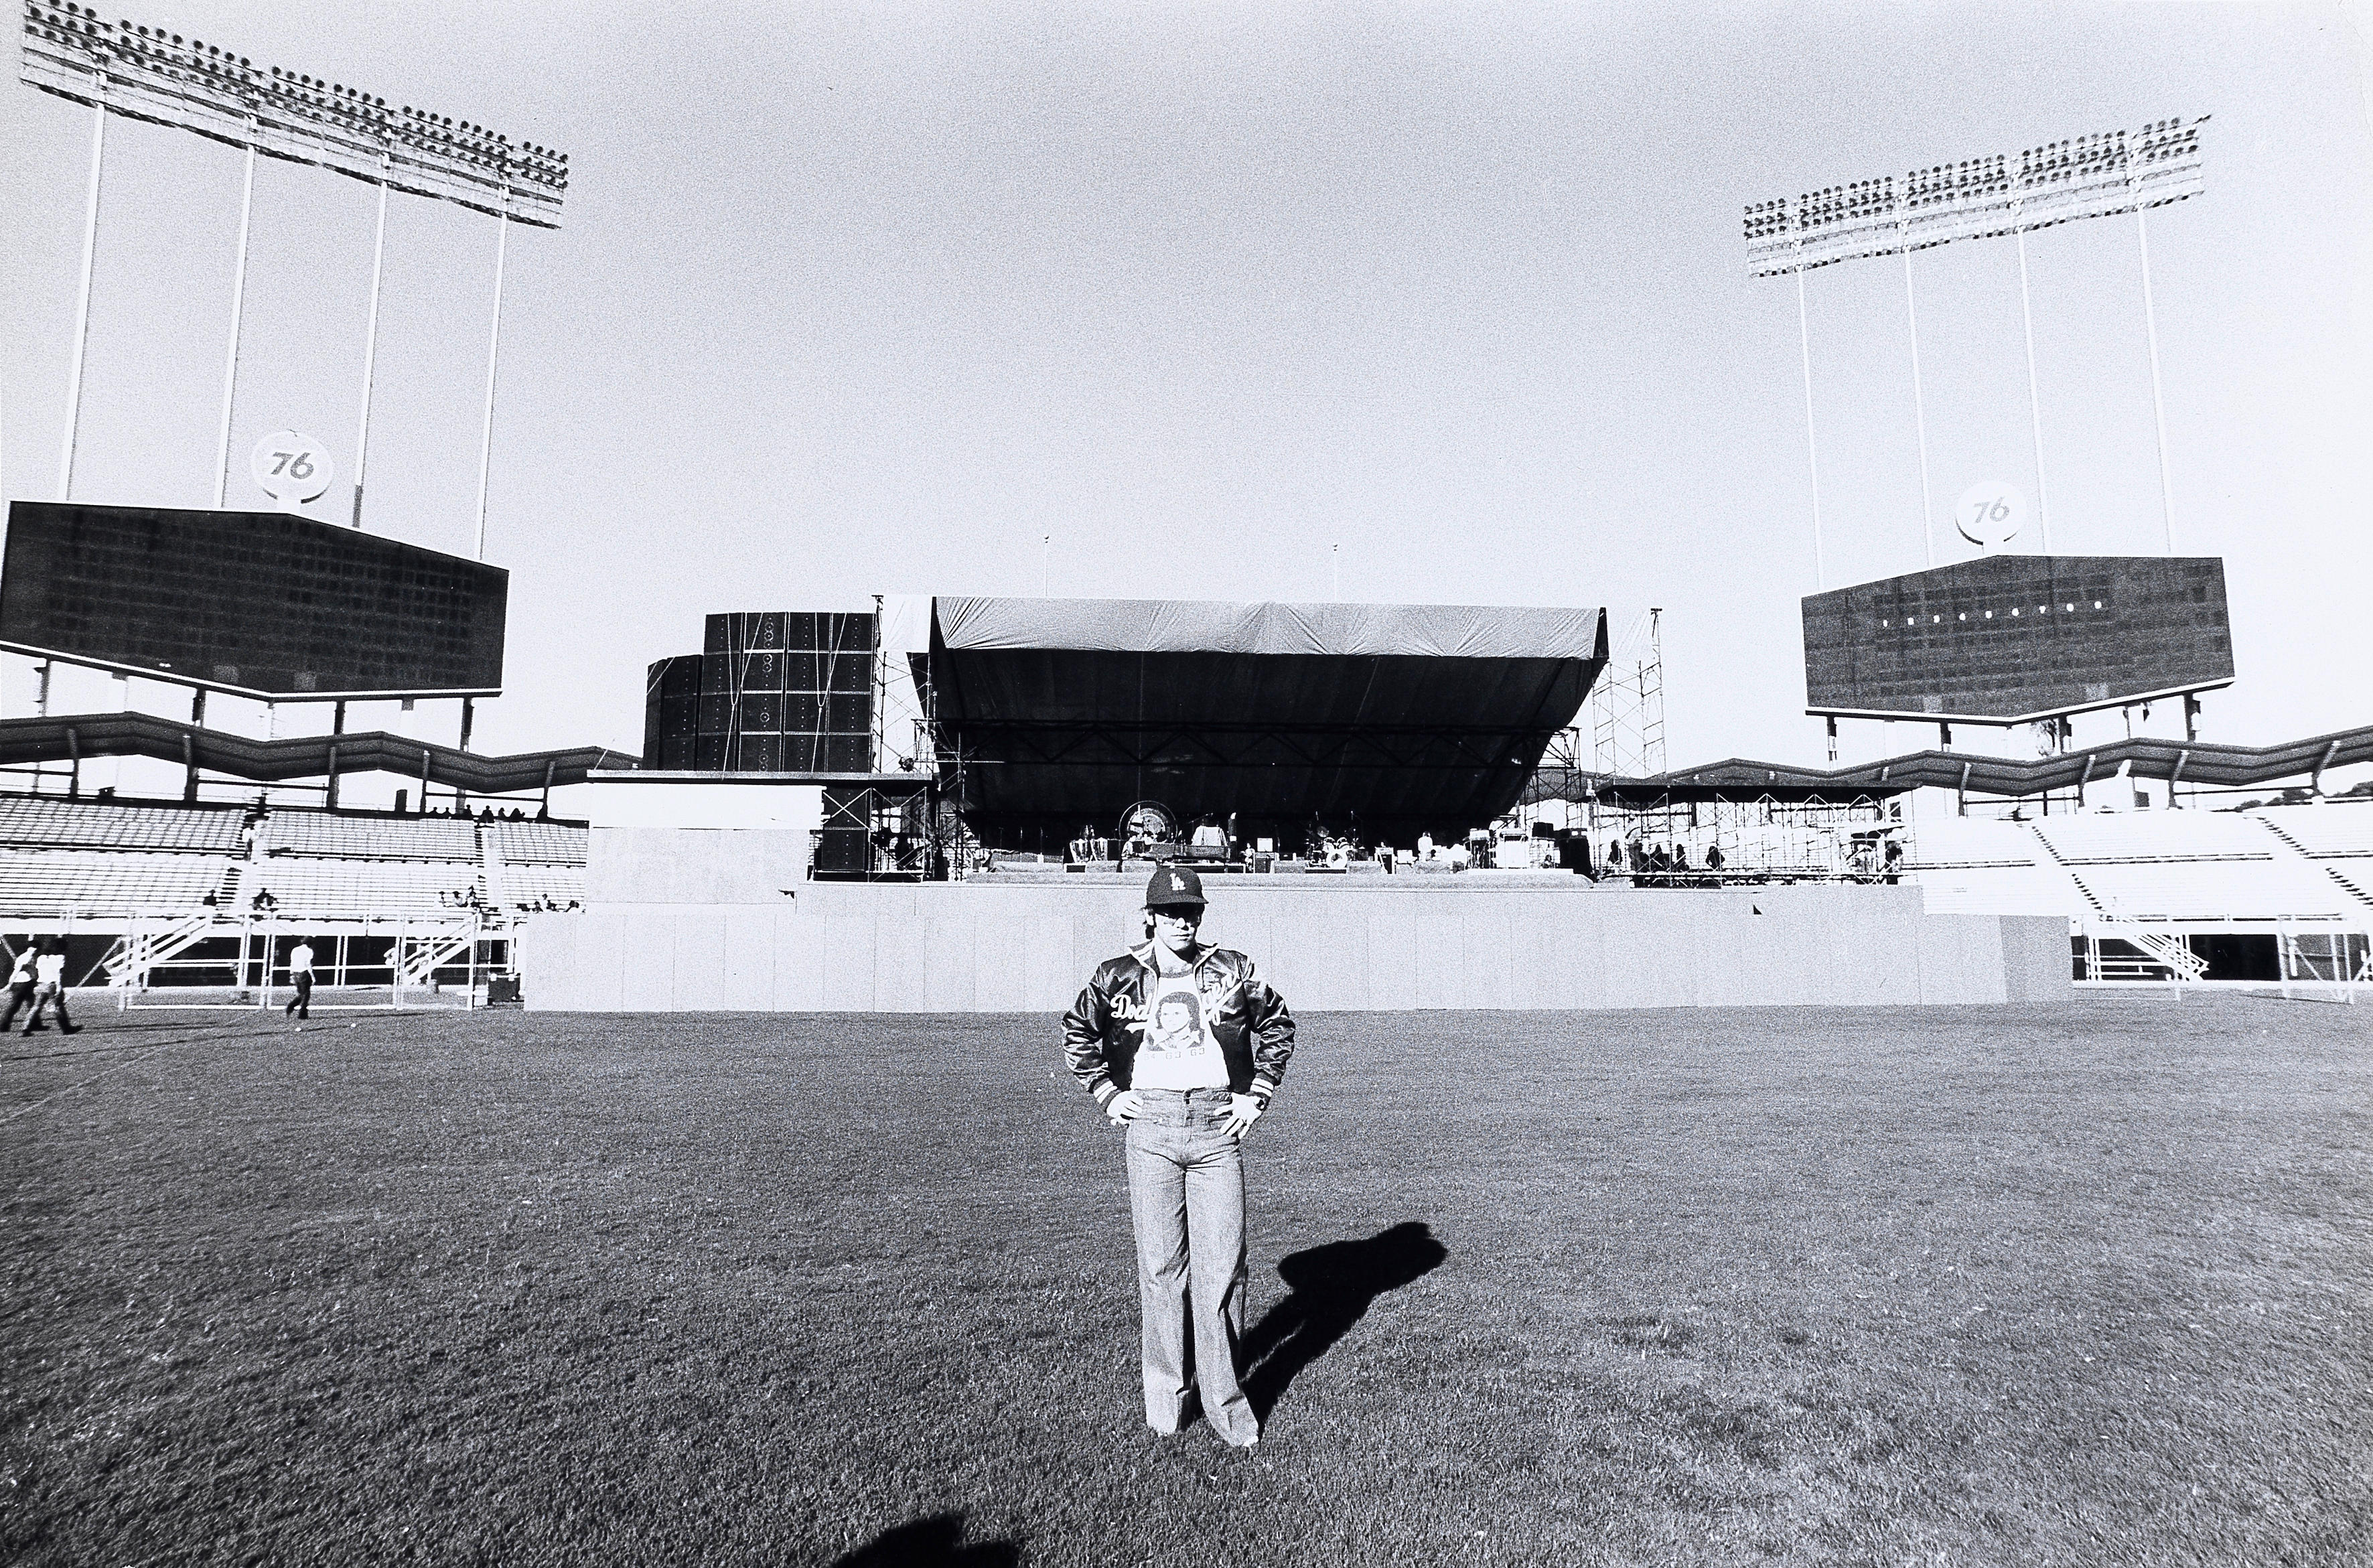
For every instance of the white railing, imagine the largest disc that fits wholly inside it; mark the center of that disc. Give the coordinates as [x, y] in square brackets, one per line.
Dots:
[366, 961]
[2313, 957]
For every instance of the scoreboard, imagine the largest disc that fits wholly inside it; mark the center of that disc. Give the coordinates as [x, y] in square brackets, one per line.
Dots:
[2010, 639]
[263, 605]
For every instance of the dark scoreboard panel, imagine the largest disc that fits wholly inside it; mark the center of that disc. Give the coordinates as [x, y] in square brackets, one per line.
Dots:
[261, 603]
[2015, 638]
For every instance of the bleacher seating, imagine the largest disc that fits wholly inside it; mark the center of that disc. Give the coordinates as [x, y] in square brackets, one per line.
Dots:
[1981, 866]
[534, 843]
[1956, 841]
[348, 888]
[329, 835]
[2334, 828]
[2154, 835]
[62, 882]
[2170, 865]
[106, 858]
[531, 886]
[2214, 890]
[104, 824]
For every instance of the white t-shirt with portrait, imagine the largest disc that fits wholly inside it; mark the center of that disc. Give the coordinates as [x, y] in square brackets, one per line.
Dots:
[1176, 1048]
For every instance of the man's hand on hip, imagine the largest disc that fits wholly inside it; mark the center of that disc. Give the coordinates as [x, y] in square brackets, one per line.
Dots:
[1124, 1107]
[1243, 1111]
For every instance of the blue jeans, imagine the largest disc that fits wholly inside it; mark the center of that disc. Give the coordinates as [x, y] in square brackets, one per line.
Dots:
[1187, 1198]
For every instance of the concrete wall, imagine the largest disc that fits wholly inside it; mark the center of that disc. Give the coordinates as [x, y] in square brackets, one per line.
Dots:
[651, 940]
[690, 802]
[695, 865]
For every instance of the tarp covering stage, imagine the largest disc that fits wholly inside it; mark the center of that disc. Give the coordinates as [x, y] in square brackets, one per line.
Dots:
[1381, 721]
[1194, 626]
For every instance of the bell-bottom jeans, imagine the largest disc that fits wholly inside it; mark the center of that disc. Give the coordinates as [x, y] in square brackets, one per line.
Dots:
[1187, 1198]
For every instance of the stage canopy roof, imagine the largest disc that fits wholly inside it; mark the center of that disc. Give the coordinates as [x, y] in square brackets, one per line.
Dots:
[1386, 721]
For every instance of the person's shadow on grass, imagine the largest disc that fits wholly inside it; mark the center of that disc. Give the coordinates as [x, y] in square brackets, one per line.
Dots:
[934, 1542]
[1332, 1286]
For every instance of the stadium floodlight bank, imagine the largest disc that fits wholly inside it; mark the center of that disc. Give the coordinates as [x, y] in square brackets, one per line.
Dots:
[2095, 176]
[151, 74]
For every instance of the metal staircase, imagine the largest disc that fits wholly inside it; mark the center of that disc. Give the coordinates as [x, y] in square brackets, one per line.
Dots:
[2171, 949]
[425, 954]
[2168, 949]
[142, 949]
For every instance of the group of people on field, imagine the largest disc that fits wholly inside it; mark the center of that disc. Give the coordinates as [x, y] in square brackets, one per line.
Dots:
[38, 980]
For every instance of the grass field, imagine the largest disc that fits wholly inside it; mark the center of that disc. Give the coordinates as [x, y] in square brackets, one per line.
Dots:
[1944, 1286]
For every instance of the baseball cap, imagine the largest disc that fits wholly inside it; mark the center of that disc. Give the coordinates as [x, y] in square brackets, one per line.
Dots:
[1174, 887]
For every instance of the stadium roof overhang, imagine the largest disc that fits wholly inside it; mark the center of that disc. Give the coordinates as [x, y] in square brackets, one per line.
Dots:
[1648, 794]
[1386, 720]
[70, 738]
[2199, 763]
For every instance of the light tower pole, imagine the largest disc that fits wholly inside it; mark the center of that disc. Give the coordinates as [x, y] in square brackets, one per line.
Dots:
[82, 299]
[370, 344]
[237, 304]
[494, 358]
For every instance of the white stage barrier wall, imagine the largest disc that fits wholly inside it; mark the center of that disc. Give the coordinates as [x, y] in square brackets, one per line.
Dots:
[708, 936]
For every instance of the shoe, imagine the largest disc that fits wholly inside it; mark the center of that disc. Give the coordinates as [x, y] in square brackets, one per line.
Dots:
[71, 1029]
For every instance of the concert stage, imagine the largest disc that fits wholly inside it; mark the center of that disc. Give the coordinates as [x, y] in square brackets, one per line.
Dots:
[690, 922]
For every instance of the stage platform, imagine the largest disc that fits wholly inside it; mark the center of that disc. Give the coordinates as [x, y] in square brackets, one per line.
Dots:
[708, 921]
[1292, 875]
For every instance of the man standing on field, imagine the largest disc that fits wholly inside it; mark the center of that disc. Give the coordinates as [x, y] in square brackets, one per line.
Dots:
[301, 975]
[1182, 1045]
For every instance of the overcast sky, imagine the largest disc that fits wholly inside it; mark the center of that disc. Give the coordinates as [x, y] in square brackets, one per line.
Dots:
[859, 298]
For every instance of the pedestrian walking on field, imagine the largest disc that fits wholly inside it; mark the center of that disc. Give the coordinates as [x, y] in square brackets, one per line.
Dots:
[50, 987]
[1183, 1044]
[301, 975]
[20, 983]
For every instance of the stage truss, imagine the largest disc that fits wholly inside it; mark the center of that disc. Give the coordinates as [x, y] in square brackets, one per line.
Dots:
[1760, 838]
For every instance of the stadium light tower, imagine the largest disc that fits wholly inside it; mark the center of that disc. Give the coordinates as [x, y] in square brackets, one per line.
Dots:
[152, 74]
[2101, 175]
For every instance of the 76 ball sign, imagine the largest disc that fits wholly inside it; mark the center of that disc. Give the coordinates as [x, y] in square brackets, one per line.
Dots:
[1989, 515]
[290, 467]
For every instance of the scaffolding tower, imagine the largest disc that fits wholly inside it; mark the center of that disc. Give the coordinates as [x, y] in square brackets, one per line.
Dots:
[1627, 705]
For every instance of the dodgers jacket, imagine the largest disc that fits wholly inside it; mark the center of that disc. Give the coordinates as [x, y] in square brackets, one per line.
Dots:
[1102, 1030]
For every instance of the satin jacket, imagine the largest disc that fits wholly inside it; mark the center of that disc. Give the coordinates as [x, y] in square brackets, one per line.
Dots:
[1102, 1030]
